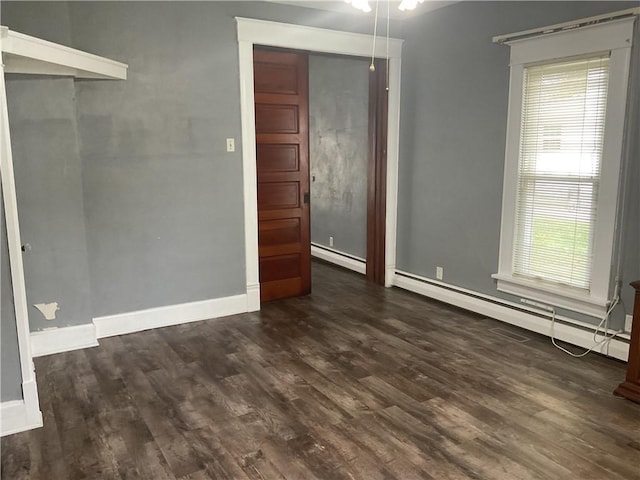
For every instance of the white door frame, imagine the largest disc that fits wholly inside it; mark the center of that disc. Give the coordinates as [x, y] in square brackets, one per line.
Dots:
[259, 32]
[18, 415]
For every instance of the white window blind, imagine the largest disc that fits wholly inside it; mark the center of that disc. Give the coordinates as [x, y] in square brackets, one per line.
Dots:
[561, 143]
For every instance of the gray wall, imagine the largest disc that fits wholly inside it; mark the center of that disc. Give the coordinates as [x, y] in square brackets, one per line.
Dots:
[161, 198]
[48, 175]
[338, 134]
[453, 126]
[44, 19]
[10, 375]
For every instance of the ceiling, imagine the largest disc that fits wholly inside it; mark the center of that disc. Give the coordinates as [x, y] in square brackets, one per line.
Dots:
[343, 7]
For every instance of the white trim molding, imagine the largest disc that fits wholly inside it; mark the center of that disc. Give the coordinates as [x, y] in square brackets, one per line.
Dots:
[253, 297]
[123, 323]
[19, 415]
[393, 160]
[63, 339]
[27, 370]
[312, 39]
[564, 26]
[577, 333]
[341, 259]
[259, 32]
[615, 38]
[585, 40]
[31, 55]
[575, 300]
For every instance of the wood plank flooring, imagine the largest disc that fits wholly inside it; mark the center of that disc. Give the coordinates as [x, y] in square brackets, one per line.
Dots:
[352, 382]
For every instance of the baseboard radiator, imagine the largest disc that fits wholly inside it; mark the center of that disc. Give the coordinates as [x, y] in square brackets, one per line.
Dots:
[568, 330]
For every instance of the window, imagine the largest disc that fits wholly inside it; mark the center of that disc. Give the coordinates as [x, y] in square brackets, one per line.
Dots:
[561, 136]
[567, 104]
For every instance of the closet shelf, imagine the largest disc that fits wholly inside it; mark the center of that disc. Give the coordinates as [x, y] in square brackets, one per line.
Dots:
[30, 55]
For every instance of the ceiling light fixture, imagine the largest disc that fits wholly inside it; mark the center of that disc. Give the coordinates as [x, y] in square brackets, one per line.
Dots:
[360, 5]
[365, 7]
[409, 4]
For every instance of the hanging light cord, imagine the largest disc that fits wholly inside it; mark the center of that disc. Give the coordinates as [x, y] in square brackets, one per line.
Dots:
[372, 67]
[387, 72]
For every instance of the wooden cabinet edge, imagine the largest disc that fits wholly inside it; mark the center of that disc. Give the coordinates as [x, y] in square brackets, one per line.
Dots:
[630, 388]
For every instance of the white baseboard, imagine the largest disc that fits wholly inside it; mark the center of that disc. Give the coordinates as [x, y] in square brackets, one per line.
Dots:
[64, 339]
[57, 340]
[567, 333]
[119, 324]
[253, 298]
[21, 415]
[338, 258]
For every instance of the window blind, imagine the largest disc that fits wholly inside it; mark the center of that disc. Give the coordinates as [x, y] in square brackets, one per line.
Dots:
[561, 138]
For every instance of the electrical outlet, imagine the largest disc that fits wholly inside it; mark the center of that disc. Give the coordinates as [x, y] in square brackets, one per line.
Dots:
[439, 273]
[627, 323]
[331, 241]
[231, 145]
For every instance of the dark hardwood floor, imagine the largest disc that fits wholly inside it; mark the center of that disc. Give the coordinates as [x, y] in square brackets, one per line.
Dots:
[353, 381]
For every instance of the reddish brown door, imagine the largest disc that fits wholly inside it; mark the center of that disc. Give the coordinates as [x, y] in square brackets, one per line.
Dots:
[282, 152]
[377, 173]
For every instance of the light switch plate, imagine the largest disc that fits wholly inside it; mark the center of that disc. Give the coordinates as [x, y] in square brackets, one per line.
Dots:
[231, 145]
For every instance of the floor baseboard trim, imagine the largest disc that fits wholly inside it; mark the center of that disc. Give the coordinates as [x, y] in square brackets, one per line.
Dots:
[253, 297]
[63, 339]
[338, 258]
[120, 324]
[564, 332]
[15, 417]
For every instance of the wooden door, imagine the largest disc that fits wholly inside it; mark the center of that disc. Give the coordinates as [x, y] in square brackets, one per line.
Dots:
[282, 154]
[377, 173]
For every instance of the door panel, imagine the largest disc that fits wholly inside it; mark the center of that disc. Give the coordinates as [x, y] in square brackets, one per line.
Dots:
[278, 195]
[282, 161]
[277, 232]
[278, 158]
[277, 119]
[275, 78]
[281, 267]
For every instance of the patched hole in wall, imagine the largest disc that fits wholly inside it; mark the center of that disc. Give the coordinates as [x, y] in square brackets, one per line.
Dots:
[48, 310]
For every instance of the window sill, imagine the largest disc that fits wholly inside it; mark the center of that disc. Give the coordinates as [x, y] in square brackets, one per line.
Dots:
[554, 296]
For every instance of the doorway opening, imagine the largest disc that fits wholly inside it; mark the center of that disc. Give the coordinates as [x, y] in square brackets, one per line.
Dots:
[256, 32]
[321, 166]
[338, 149]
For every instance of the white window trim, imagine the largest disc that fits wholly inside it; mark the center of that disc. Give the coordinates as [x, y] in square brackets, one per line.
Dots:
[616, 37]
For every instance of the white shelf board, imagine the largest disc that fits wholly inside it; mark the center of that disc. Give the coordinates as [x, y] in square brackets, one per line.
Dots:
[31, 55]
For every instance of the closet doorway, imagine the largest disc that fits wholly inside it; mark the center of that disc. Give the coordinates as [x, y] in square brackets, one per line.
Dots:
[352, 183]
[251, 33]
